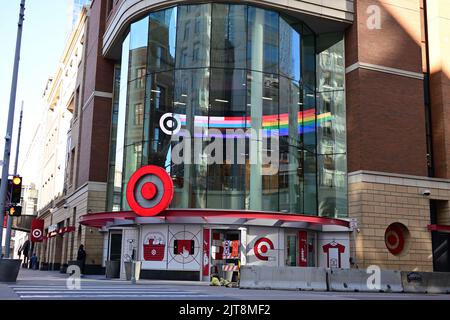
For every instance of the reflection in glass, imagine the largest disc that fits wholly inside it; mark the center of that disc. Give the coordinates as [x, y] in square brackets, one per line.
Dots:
[229, 36]
[121, 118]
[135, 100]
[226, 180]
[331, 131]
[113, 193]
[263, 114]
[191, 100]
[290, 49]
[291, 126]
[262, 46]
[193, 43]
[221, 68]
[162, 38]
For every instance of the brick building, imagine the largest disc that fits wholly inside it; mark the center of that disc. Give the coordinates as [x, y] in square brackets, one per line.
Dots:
[357, 92]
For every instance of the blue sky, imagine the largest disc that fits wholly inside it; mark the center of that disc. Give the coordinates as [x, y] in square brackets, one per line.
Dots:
[43, 41]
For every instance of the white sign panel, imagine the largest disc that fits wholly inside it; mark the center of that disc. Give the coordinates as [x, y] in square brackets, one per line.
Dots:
[154, 243]
[184, 251]
[265, 246]
[334, 250]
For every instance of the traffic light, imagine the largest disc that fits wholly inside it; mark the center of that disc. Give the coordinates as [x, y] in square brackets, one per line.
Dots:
[16, 189]
[15, 211]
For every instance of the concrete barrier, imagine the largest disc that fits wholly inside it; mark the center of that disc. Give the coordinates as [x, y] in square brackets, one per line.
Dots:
[426, 282]
[356, 280]
[283, 278]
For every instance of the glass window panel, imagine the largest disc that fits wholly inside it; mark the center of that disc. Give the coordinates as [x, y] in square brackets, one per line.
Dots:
[138, 51]
[121, 118]
[135, 101]
[229, 36]
[262, 110]
[291, 118]
[159, 98]
[332, 185]
[163, 29]
[310, 184]
[330, 64]
[193, 48]
[227, 114]
[310, 153]
[290, 50]
[308, 59]
[331, 124]
[112, 192]
[191, 101]
[262, 47]
[133, 157]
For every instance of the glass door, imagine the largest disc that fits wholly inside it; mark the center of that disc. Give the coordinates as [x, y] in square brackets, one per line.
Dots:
[291, 249]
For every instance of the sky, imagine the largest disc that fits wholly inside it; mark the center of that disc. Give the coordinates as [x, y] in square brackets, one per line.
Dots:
[44, 35]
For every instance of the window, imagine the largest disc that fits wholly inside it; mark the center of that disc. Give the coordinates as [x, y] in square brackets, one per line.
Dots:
[233, 67]
[186, 30]
[140, 78]
[197, 26]
[196, 54]
[139, 114]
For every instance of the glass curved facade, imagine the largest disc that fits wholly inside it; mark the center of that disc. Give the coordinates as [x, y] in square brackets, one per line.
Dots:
[241, 82]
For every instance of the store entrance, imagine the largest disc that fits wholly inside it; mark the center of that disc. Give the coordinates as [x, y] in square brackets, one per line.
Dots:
[225, 254]
[300, 248]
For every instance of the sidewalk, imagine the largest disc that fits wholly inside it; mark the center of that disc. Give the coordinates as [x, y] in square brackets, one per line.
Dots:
[6, 293]
[27, 275]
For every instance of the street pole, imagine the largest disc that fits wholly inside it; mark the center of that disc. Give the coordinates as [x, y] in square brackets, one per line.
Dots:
[9, 127]
[10, 219]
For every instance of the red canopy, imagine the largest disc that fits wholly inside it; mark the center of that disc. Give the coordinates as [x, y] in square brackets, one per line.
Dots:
[98, 220]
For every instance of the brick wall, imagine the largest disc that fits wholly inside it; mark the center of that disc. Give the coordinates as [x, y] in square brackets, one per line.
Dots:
[378, 200]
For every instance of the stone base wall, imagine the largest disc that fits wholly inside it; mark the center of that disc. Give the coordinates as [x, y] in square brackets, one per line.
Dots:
[377, 200]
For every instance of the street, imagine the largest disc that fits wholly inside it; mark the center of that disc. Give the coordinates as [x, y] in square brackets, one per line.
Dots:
[51, 285]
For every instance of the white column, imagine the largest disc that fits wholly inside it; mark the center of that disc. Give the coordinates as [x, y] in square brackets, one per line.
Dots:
[256, 112]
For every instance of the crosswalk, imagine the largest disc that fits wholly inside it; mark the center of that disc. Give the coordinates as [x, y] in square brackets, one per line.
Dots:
[119, 292]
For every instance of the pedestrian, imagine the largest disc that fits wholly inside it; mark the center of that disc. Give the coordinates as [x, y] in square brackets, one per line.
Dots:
[81, 258]
[34, 262]
[25, 250]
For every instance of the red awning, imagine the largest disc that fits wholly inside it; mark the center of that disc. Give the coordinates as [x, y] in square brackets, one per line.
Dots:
[98, 220]
[438, 227]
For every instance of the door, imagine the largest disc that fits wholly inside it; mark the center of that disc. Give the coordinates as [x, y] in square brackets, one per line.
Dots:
[115, 246]
[291, 250]
[441, 251]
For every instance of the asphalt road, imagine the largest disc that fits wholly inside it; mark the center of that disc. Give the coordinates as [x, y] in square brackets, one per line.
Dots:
[51, 285]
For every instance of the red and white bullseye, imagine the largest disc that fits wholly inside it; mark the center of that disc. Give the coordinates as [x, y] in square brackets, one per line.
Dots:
[262, 247]
[37, 233]
[149, 191]
[394, 239]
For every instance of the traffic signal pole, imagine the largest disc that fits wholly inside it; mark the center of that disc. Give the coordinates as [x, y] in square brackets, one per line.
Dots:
[9, 126]
[9, 219]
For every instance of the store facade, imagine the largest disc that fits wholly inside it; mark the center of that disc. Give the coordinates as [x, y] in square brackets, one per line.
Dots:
[243, 108]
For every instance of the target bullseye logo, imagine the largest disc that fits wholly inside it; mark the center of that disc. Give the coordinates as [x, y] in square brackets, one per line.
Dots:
[150, 191]
[37, 233]
[262, 247]
[394, 239]
[170, 123]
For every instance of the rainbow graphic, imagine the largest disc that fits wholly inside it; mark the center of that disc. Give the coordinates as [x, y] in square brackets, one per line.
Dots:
[271, 124]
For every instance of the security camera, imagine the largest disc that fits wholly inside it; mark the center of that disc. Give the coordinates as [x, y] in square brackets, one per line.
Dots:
[426, 192]
[65, 206]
